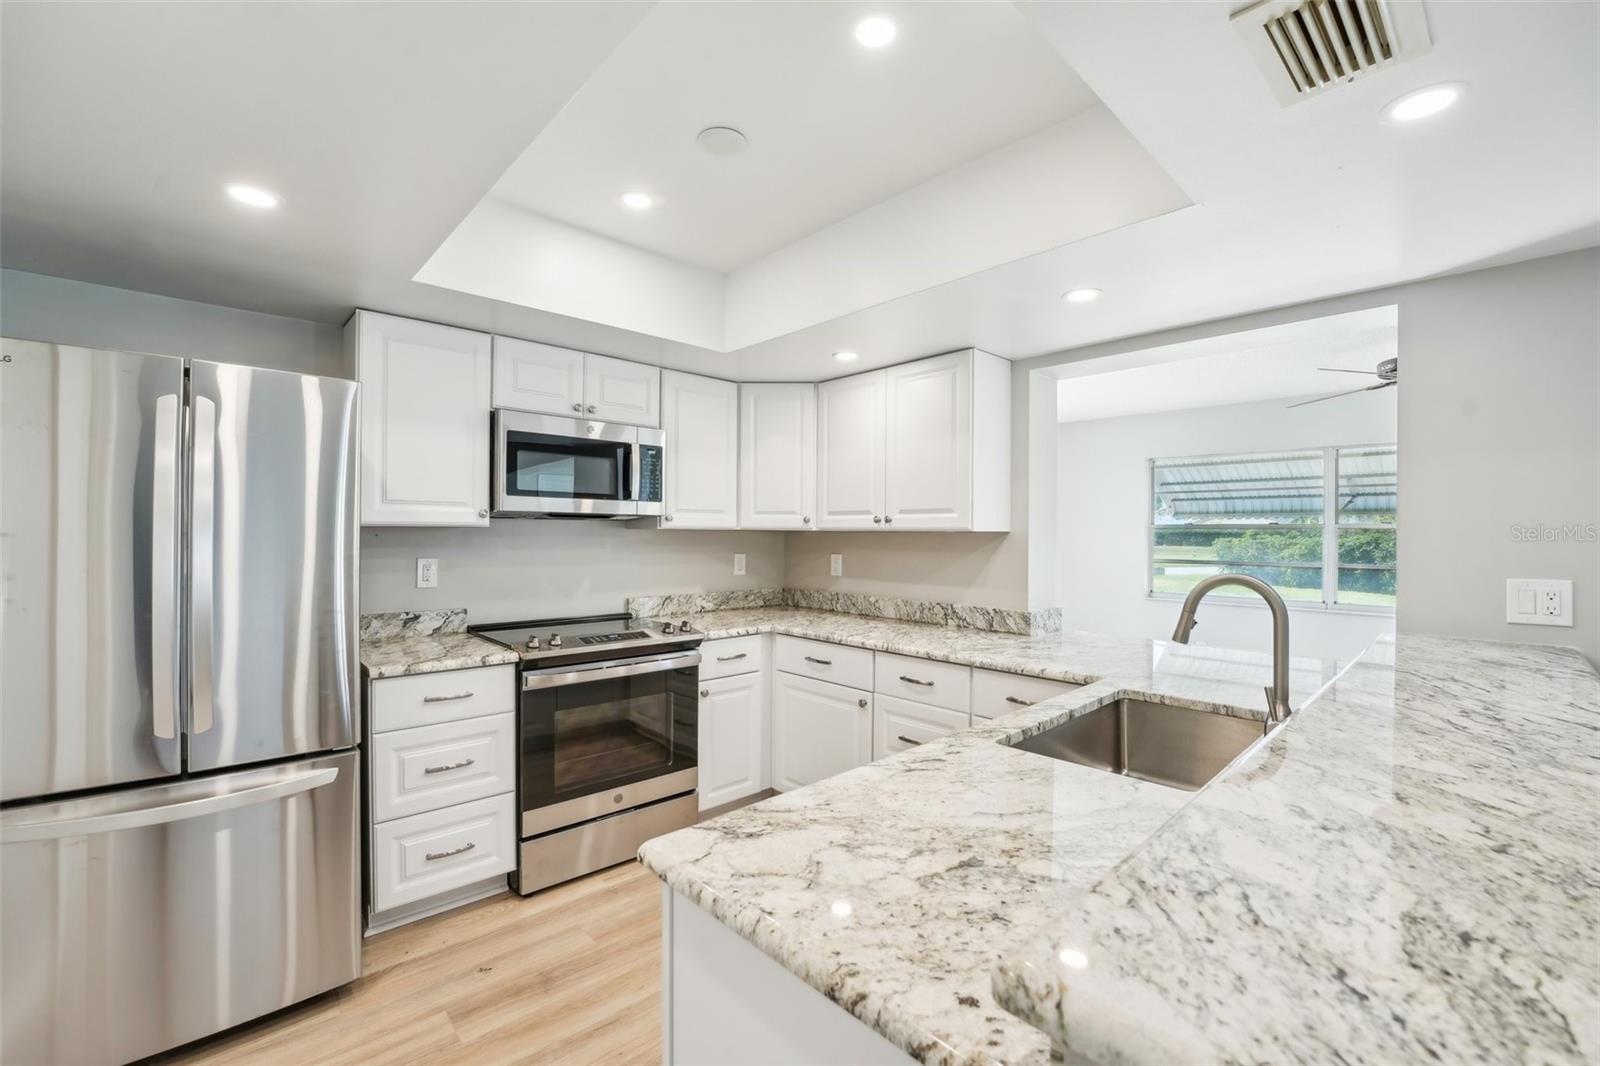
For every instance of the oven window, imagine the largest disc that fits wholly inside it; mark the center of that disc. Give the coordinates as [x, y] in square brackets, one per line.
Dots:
[583, 738]
[565, 468]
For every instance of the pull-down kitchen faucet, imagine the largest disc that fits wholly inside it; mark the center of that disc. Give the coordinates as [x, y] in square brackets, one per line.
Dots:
[1278, 691]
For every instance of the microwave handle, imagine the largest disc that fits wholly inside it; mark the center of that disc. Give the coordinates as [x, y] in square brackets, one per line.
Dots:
[635, 465]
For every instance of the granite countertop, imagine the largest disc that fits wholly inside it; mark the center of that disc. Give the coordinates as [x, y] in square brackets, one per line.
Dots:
[400, 643]
[1404, 870]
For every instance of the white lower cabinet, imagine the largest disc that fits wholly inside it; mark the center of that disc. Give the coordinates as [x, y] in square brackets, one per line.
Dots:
[899, 724]
[996, 694]
[733, 738]
[417, 770]
[431, 854]
[818, 729]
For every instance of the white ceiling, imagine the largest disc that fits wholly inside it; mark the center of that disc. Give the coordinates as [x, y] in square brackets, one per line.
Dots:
[383, 124]
[1262, 364]
[833, 127]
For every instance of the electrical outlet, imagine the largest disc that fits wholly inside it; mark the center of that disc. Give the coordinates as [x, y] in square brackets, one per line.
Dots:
[738, 564]
[836, 565]
[1532, 602]
[427, 573]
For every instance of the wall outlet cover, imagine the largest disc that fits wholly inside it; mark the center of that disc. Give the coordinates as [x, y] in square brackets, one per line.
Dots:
[427, 573]
[1538, 602]
[738, 564]
[836, 565]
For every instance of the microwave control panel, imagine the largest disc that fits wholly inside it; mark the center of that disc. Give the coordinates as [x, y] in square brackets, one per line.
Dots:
[649, 474]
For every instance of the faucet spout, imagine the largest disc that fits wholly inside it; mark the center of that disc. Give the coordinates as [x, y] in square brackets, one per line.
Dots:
[1278, 691]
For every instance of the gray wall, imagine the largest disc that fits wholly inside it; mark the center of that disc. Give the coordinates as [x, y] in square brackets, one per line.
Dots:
[1499, 425]
[42, 308]
[532, 568]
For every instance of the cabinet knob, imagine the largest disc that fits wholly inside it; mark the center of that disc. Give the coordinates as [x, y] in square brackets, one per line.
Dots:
[806, 520]
[669, 518]
[861, 703]
[483, 513]
[878, 518]
[592, 408]
[888, 519]
[578, 407]
[704, 693]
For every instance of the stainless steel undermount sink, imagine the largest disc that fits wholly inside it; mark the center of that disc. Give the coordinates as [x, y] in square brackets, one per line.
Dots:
[1176, 746]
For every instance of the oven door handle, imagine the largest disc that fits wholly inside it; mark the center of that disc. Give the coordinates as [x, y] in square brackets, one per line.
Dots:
[606, 672]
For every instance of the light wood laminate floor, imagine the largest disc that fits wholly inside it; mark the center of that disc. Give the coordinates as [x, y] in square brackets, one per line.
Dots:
[571, 976]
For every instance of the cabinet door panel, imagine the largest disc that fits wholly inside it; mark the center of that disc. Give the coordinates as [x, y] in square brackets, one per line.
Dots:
[928, 444]
[850, 446]
[701, 420]
[818, 729]
[424, 422]
[733, 713]
[777, 456]
[540, 378]
[615, 390]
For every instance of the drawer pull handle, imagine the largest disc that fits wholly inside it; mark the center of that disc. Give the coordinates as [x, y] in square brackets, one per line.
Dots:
[914, 743]
[1019, 701]
[819, 662]
[447, 769]
[731, 658]
[914, 681]
[449, 699]
[433, 856]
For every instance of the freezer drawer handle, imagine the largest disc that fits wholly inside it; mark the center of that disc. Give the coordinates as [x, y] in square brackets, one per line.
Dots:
[914, 681]
[1019, 701]
[914, 743]
[449, 699]
[433, 856]
[22, 832]
[819, 662]
[447, 769]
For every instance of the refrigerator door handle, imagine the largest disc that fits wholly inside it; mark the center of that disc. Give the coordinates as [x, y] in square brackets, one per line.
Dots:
[203, 534]
[164, 571]
[21, 831]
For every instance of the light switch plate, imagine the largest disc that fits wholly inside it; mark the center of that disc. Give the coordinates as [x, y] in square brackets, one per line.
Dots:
[427, 573]
[1538, 602]
[836, 565]
[738, 564]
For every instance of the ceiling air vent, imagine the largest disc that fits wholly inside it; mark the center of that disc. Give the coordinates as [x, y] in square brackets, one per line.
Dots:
[1306, 47]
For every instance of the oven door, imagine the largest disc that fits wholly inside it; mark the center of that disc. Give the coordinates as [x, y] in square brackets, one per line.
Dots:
[606, 737]
[547, 465]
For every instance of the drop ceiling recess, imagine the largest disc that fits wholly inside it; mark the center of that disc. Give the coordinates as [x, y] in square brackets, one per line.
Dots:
[1306, 47]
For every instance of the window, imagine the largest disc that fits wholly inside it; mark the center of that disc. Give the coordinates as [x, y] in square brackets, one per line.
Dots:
[1317, 525]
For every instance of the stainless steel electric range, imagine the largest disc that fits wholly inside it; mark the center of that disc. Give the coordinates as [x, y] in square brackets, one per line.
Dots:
[608, 718]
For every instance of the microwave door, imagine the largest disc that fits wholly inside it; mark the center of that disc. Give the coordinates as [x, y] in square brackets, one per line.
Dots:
[561, 466]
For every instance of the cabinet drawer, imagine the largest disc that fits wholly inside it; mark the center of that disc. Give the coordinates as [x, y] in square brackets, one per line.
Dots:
[899, 724]
[428, 699]
[424, 769]
[831, 662]
[731, 655]
[426, 854]
[996, 693]
[946, 685]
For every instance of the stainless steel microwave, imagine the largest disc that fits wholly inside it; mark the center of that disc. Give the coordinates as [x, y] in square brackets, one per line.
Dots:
[565, 467]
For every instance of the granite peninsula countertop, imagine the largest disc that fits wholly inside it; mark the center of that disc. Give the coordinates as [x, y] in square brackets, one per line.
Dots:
[1406, 870]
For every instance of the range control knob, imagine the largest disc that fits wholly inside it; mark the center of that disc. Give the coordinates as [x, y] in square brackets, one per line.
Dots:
[685, 627]
[533, 644]
[555, 640]
[666, 627]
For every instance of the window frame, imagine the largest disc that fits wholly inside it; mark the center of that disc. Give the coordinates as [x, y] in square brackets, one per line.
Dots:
[1331, 528]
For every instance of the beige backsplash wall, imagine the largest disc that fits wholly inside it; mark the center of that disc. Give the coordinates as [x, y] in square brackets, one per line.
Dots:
[970, 568]
[522, 568]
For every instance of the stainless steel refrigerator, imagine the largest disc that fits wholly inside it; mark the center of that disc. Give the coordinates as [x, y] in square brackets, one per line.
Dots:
[178, 763]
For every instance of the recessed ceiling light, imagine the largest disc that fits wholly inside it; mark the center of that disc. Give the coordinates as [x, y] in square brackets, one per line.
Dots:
[1081, 296]
[722, 140]
[875, 32]
[845, 357]
[638, 201]
[252, 195]
[1423, 103]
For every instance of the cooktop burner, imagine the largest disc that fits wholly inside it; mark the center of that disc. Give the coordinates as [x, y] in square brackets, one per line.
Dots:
[558, 641]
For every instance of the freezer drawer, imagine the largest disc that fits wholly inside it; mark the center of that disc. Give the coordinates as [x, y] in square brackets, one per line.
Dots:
[135, 921]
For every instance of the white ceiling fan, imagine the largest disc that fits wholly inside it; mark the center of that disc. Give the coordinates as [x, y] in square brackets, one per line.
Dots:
[1388, 375]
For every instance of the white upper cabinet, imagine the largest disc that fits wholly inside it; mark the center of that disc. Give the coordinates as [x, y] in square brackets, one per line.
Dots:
[540, 378]
[777, 456]
[615, 390]
[701, 422]
[425, 396]
[920, 446]
[548, 380]
[850, 424]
